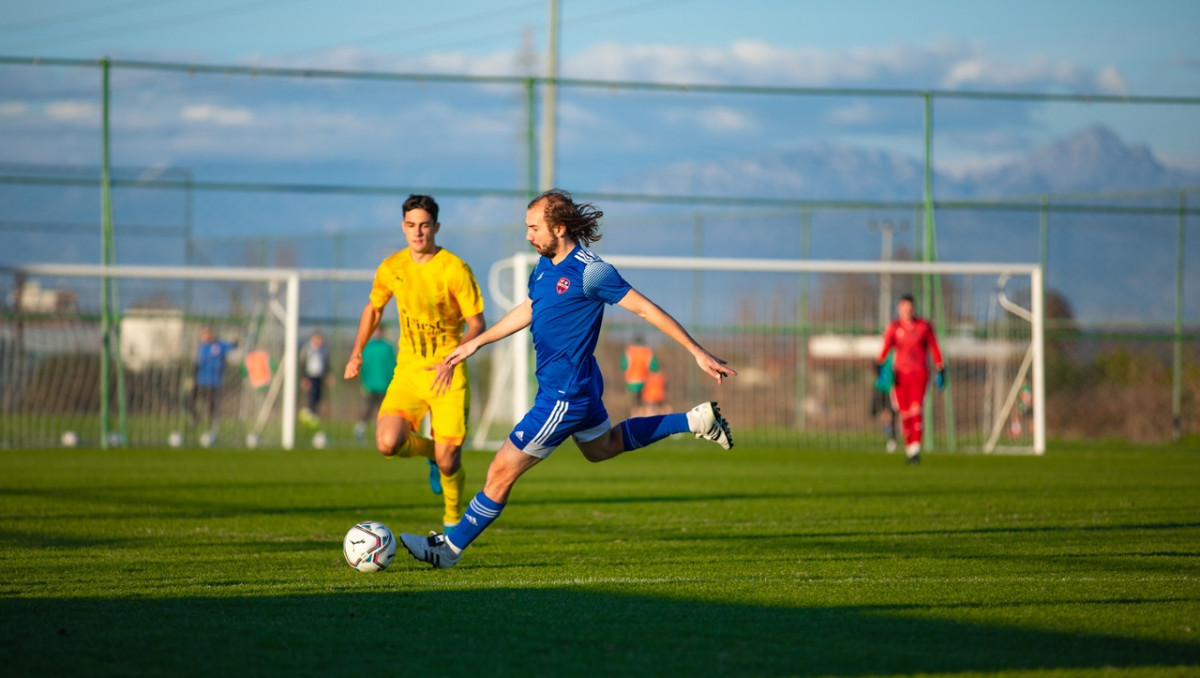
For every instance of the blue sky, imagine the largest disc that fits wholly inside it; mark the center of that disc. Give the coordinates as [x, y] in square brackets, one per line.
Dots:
[1147, 47]
[288, 130]
[1065, 46]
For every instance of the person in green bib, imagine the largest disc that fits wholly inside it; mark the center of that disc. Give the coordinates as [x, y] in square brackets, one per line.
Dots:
[379, 362]
[883, 404]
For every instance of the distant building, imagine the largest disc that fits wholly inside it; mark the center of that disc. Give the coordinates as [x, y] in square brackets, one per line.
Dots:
[31, 298]
[152, 338]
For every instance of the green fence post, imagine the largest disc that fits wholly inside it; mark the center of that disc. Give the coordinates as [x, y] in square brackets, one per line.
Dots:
[1177, 372]
[802, 320]
[105, 254]
[933, 287]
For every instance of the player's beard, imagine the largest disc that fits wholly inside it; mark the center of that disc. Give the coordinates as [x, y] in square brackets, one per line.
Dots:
[549, 251]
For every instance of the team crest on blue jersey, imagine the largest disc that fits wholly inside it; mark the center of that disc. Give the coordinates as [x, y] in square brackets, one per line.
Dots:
[563, 285]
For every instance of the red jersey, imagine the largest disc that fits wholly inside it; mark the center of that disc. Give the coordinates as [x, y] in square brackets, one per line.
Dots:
[913, 342]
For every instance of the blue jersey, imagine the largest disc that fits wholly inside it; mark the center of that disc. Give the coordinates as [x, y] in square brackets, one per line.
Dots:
[210, 362]
[568, 307]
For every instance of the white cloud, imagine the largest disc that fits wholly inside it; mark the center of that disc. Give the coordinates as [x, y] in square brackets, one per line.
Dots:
[220, 115]
[950, 64]
[1110, 80]
[388, 121]
[72, 110]
[503, 63]
[978, 69]
[721, 119]
[943, 63]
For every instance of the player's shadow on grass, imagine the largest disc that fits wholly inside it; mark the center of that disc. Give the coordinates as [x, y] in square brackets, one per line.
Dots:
[528, 632]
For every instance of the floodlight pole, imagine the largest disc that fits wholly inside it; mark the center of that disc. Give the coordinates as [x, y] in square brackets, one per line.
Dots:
[531, 144]
[934, 287]
[550, 102]
[106, 243]
[927, 199]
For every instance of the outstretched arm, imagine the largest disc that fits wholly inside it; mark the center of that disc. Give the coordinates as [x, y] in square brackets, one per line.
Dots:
[935, 351]
[635, 302]
[445, 372]
[514, 321]
[366, 327]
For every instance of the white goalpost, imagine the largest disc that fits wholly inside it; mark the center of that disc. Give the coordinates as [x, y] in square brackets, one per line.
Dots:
[804, 336]
[59, 353]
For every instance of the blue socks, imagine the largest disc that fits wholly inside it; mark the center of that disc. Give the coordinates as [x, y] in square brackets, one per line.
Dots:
[475, 520]
[635, 433]
[642, 431]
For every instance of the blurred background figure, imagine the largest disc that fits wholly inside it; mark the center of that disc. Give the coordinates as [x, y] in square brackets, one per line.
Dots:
[1022, 412]
[314, 360]
[379, 362]
[915, 343]
[883, 404]
[208, 377]
[638, 362]
[654, 395]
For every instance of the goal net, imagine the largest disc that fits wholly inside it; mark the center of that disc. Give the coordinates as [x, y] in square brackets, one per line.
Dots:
[102, 356]
[803, 337]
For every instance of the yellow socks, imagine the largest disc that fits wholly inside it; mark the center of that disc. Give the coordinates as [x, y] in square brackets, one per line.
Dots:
[452, 485]
[416, 446]
[452, 490]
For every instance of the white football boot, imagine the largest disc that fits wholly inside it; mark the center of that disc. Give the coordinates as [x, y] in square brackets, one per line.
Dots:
[706, 422]
[432, 549]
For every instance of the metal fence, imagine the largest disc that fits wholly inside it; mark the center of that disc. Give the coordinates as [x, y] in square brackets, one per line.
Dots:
[190, 164]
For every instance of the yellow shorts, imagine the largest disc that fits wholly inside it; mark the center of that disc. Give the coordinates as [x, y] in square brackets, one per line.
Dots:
[411, 396]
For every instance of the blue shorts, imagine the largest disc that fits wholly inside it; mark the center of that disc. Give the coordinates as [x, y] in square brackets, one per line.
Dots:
[551, 422]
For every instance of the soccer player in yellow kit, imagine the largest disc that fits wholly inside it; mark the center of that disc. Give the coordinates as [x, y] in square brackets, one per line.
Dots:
[436, 296]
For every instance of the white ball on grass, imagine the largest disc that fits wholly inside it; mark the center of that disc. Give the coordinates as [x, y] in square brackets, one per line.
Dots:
[369, 546]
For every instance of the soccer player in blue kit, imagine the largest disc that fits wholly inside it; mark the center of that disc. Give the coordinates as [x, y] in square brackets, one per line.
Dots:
[565, 307]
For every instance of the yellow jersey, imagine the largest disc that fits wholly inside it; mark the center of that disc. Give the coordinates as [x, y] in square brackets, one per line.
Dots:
[433, 299]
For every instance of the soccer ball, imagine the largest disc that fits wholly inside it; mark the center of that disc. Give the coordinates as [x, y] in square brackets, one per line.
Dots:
[206, 439]
[252, 440]
[175, 439]
[70, 439]
[369, 546]
[320, 440]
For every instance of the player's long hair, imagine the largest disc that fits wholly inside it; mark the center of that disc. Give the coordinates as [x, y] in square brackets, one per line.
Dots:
[582, 220]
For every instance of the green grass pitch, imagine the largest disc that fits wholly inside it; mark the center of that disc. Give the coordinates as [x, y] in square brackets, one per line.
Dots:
[682, 560]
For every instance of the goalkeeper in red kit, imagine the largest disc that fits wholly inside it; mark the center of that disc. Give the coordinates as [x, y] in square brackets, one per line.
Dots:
[914, 342]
